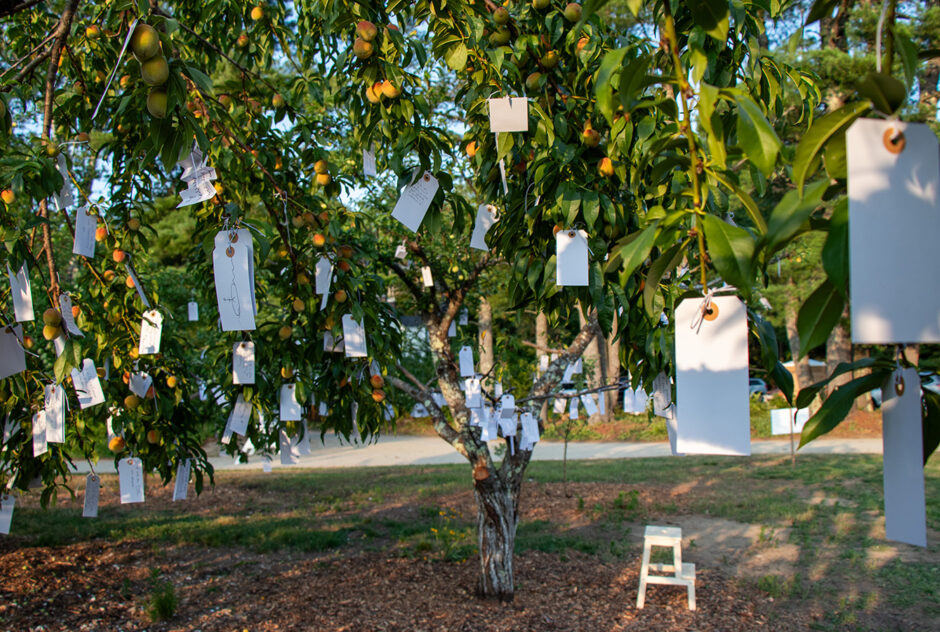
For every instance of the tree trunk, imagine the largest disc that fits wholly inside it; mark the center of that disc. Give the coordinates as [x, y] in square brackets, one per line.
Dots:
[497, 519]
[541, 348]
[839, 350]
[929, 89]
[801, 373]
[485, 327]
[595, 367]
[613, 368]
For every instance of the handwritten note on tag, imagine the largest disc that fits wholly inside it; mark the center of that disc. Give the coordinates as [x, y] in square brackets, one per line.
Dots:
[85, 226]
[140, 383]
[192, 311]
[233, 266]
[21, 293]
[151, 328]
[571, 258]
[243, 363]
[354, 338]
[486, 217]
[6, 512]
[92, 493]
[54, 407]
[466, 361]
[65, 308]
[711, 367]
[509, 114]
[902, 434]
[181, 485]
[368, 163]
[474, 393]
[241, 415]
[415, 201]
[12, 355]
[39, 433]
[131, 480]
[894, 219]
[290, 408]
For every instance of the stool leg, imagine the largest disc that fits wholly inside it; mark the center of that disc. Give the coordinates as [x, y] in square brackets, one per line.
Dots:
[677, 558]
[692, 595]
[644, 571]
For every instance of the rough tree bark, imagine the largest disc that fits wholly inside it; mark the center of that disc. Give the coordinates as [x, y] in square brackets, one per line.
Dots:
[595, 363]
[613, 368]
[485, 329]
[801, 373]
[541, 348]
[839, 350]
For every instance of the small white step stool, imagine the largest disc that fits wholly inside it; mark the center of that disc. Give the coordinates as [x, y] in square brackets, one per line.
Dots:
[682, 574]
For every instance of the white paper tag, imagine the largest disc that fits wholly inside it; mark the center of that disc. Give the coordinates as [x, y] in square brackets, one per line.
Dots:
[331, 345]
[6, 513]
[12, 355]
[302, 443]
[474, 393]
[65, 308]
[635, 401]
[243, 363]
[783, 423]
[151, 328]
[322, 275]
[181, 485]
[233, 266]
[530, 431]
[21, 293]
[192, 311]
[507, 415]
[354, 338]
[290, 454]
[464, 317]
[289, 407]
[573, 408]
[559, 404]
[58, 345]
[227, 431]
[109, 426]
[502, 176]
[509, 114]
[137, 285]
[452, 329]
[131, 480]
[498, 389]
[662, 394]
[64, 198]
[266, 465]
[905, 509]
[476, 416]
[401, 252]
[466, 361]
[894, 219]
[486, 217]
[601, 403]
[543, 363]
[590, 406]
[85, 226]
[241, 415]
[140, 383]
[92, 493]
[415, 201]
[426, 276]
[571, 258]
[39, 433]
[712, 404]
[368, 163]
[54, 408]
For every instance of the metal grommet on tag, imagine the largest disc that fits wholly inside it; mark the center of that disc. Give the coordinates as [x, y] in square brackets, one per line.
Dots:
[230, 251]
[899, 384]
[894, 140]
[571, 233]
[233, 237]
[427, 177]
[710, 312]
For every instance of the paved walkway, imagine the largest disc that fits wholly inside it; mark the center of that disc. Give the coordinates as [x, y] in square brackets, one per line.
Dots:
[395, 450]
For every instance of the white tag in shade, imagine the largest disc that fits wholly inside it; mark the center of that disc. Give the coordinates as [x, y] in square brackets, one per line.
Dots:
[894, 222]
[466, 361]
[368, 163]
[662, 394]
[905, 509]
[6, 512]
[65, 307]
[289, 407]
[241, 415]
[452, 329]
[474, 393]
[571, 258]
[573, 408]
[181, 485]
[233, 266]
[464, 317]
[502, 176]
[39, 433]
[590, 406]
[131, 480]
[192, 311]
[401, 252]
[601, 403]
[486, 217]
[140, 383]
[54, 408]
[322, 274]
[59, 345]
[530, 431]
[92, 493]
[12, 355]
[415, 201]
[354, 338]
[21, 293]
[426, 276]
[331, 345]
[243, 363]
[151, 328]
[266, 465]
[559, 405]
[64, 198]
[227, 432]
[290, 454]
[509, 114]
[85, 226]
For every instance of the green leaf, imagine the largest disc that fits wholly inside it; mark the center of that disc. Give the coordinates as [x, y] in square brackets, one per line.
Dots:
[634, 6]
[807, 394]
[637, 248]
[819, 134]
[791, 213]
[784, 381]
[835, 159]
[907, 52]
[667, 261]
[603, 86]
[838, 404]
[456, 57]
[821, 9]
[731, 249]
[590, 208]
[818, 316]
[886, 93]
[756, 137]
[712, 16]
[835, 252]
[931, 421]
[753, 212]
[570, 203]
[504, 146]
[200, 78]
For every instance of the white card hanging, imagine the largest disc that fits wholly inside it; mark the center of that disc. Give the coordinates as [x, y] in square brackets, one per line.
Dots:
[602, 403]
[39, 433]
[92, 494]
[243, 363]
[140, 383]
[509, 114]
[233, 266]
[181, 485]
[322, 275]
[64, 198]
[662, 394]
[571, 258]
[672, 429]
[290, 455]
[543, 363]
[12, 355]
[438, 398]
[577, 367]
[573, 408]
[507, 406]
[498, 389]
[354, 338]
[151, 328]
[452, 329]
[530, 431]
[109, 425]
[333, 346]
[464, 317]
[426, 276]
[65, 308]
[58, 344]
[590, 406]
[85, 226]
[559, 405]
[192, 311]
[568, 374]
[241, 415]
[782, 420]
[712, 406]
[486, 217]
[289, 407]
[129, 267]
[401, 252]
[419, 411]
[54, 407]
[466, 361]
[476, 416]
[894, 224]
[21, 293]
[131, 480]
[902, 433]
[415, 201]
[368, 163]
[490, 429]
[6, 512]
[474, 393]
[502, 175]
[227, 431]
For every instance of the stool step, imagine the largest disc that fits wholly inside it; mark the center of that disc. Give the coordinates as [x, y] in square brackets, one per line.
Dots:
[688, 572]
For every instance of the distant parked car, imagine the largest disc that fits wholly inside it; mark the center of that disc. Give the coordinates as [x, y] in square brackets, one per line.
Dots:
[758, 386]
[928, 381]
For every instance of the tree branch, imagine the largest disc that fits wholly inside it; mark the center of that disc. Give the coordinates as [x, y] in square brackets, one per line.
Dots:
[8, 7]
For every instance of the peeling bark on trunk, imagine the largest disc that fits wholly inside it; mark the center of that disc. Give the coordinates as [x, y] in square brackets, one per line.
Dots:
[541, 348]
[613, 368]
[595, 364]
[839, 350]
[485, 325]
[497, 519]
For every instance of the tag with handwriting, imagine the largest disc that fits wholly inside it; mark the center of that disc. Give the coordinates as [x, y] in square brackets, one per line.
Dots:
[241, 415]
[21, 293]
[140, 383]
[151, 328]
[181, 485]
[12, 355]
[54, 408]
[85, 226]
[192, 311]
[466, 361]
[474, 393]
[243, 363]
[509, 114]
[233, 266]
[39, 433]
[426, 277]
[571, 258]
[486, 217]
[289, 408]
[131, 480]
[92, 493]
[65, 307]
[354, 338]
[415, 201]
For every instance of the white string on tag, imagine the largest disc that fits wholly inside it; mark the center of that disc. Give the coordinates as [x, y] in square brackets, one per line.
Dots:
[707, 311]
[127, 41]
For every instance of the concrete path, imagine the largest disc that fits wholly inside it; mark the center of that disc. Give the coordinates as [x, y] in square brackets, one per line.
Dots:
[396, 450]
